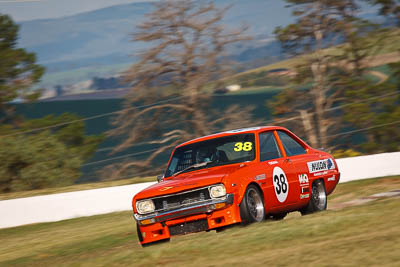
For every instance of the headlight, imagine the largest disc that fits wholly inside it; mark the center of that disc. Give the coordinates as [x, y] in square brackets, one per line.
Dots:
[217, 191]
[145, 206]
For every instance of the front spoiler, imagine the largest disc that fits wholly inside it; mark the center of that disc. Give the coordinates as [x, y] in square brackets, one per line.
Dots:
[204, 207]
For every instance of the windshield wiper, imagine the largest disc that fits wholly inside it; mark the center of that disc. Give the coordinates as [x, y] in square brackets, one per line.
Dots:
[194, 166]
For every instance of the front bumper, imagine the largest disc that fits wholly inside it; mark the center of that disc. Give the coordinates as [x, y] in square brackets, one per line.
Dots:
[197, 208]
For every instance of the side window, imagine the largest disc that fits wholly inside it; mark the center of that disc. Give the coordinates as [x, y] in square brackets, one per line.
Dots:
[268, 147]
[291, 146]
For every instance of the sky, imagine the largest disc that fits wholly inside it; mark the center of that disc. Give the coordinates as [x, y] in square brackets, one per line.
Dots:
[21, 10]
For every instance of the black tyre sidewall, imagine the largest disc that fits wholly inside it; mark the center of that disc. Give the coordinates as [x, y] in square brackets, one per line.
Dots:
[311, 207]
[139, 234]
[326, 197]
[244, 209]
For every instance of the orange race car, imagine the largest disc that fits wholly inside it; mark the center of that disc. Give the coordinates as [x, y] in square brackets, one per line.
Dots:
[237, 176]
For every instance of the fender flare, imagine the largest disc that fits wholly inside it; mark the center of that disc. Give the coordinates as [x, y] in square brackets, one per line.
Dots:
[242, 190]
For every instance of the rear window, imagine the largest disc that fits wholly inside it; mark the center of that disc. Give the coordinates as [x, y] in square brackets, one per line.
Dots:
[291, 146]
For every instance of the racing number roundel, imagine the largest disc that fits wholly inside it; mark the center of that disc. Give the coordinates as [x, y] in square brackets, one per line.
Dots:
[281, 184]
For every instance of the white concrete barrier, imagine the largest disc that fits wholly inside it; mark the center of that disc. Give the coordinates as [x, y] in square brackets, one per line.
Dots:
[56, 207]
[364, 167]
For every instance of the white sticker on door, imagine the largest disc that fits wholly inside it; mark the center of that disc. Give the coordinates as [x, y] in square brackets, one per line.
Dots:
[281, 184]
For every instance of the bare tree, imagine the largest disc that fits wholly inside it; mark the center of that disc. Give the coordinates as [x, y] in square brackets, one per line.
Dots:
[184, 60]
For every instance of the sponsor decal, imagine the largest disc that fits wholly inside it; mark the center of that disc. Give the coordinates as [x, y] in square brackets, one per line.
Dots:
[320, 173]
[305, 189]
[272, 162]
[260, 177]
[182, 185]
[303, 179]
[302, 196]
[281, 184]
[333, 178]
[166, 188]
[320, 165]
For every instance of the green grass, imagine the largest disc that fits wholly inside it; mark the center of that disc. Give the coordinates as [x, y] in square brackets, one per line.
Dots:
[77, 187]
[364, 188]
[256, 90]
[384, 69]
[357, 236]
[81, 74]
[389, 48]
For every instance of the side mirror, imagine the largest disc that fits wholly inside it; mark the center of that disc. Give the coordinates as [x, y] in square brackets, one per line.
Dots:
[160, 178]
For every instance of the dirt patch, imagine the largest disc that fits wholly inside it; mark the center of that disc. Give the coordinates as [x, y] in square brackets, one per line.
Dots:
[363, 200]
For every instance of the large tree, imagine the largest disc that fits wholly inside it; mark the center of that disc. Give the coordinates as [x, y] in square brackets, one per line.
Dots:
[326, 69]
[184, 59]
[18, 71]
[338, 49]
[316, 28]
[369, 105]
[33, 153]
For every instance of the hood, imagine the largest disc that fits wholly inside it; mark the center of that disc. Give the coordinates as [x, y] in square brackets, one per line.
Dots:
[187, 181]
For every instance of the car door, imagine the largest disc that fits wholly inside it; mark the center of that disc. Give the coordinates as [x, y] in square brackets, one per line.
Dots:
[297, 156]
[279, 173]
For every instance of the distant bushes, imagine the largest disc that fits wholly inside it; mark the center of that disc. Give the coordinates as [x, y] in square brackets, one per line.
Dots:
[264, 78]
[36, 161]
[45, 158]
[345, 153]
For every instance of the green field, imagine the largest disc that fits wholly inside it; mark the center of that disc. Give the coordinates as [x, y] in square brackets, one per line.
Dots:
[362, 235]
[387, 53]
[69, 77]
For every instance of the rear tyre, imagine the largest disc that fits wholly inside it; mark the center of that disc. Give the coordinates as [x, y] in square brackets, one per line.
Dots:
[318, 200]
[252, 206]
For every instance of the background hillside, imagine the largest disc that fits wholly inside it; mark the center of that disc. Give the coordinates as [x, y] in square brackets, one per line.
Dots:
[103, 156]
[82, 49]
[98, 42]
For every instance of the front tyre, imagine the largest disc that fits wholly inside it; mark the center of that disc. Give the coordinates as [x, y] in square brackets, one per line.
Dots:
[252, 206]
[318, 199]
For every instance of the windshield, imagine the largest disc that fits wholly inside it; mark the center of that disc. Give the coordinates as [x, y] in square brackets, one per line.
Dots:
[218, 151]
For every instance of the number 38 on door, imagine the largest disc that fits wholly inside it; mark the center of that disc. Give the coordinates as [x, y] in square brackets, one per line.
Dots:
[281, 184]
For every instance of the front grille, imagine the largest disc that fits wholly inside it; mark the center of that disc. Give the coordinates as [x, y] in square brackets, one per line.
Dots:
[189, 227]
[178, 200]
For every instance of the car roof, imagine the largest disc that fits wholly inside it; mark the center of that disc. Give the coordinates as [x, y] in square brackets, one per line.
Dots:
[233, 132]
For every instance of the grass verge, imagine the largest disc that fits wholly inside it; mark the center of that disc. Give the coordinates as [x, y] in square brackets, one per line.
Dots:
[357, 236]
